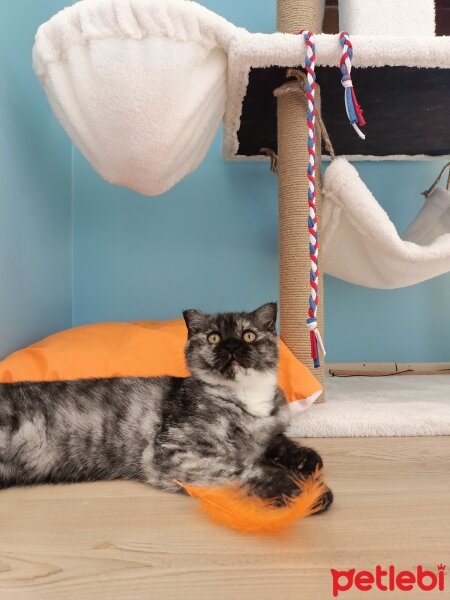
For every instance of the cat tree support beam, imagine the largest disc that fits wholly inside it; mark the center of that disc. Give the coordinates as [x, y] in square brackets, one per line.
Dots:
[293, 16]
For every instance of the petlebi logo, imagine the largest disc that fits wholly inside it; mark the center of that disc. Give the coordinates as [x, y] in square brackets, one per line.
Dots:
[388, 579]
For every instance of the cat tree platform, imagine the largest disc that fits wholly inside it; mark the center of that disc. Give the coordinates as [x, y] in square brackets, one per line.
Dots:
[397, 79]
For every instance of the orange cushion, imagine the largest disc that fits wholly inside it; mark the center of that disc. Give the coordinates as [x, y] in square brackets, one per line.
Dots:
[144, 349]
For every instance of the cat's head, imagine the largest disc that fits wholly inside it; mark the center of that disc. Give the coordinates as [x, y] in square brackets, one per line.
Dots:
[222, 347]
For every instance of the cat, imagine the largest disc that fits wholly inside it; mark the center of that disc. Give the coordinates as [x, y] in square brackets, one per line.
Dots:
[224, 424]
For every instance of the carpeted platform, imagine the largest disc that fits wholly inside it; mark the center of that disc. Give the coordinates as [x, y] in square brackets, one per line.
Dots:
[379, 406]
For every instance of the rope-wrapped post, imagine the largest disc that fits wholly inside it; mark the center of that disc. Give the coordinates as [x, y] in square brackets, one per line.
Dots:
[293, 184]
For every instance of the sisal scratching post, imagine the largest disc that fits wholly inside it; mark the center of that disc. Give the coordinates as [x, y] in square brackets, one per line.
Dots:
[293, 16]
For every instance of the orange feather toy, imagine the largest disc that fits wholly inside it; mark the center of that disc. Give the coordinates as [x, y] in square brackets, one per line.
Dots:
[232, 507]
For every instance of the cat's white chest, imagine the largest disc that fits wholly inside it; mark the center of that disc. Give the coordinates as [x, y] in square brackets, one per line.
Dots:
[256, 391]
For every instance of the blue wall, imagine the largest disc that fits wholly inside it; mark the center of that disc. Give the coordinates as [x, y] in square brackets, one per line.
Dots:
[35, 182]
[211, 242]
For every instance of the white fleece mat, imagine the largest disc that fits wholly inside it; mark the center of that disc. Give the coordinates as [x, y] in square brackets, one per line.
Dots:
[379, 406]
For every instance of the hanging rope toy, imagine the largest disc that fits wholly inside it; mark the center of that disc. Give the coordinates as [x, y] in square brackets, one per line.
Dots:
[353, 109]
[310, 88]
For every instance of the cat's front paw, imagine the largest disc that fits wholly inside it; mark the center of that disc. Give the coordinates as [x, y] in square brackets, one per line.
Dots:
[308, 461]
[277, 486]
[324, 502]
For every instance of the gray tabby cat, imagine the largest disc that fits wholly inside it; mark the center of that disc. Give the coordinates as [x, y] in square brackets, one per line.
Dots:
[223, 424]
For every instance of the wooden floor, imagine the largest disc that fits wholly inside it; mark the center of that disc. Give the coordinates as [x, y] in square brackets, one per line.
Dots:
[122, 540]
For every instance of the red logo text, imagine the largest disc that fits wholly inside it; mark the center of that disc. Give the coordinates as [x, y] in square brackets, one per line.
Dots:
[388, 579]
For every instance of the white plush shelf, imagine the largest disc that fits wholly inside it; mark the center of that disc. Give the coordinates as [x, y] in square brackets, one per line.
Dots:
[397, 79]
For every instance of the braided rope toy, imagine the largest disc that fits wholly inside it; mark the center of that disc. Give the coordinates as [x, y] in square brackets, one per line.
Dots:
[353, 109]
[355, 116]
[310, 88]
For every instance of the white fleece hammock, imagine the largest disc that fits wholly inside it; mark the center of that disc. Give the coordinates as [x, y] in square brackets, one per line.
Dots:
[139, 85]
[360, 244]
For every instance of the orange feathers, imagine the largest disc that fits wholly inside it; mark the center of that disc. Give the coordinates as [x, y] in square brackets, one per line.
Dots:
[232, 507]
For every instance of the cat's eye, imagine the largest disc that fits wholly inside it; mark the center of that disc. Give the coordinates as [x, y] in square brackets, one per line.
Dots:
[214, 338]
[248, 336]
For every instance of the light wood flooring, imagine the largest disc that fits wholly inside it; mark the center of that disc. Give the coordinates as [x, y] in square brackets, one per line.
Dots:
[120, 540]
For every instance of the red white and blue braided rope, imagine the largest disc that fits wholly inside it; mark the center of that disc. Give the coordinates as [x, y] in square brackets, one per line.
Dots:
[355, 116]
[310, 88]
[353, 109]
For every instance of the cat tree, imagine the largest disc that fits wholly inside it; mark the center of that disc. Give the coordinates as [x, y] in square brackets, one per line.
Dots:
[141, 87]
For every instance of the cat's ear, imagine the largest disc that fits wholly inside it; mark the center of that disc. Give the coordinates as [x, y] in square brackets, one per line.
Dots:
[266, 316]
[195, 321]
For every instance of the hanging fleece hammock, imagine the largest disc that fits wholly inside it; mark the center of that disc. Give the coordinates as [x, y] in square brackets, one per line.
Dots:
[139, 85]
[360, 244]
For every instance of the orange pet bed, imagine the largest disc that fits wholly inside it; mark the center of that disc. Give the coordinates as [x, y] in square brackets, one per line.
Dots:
[143, 349]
